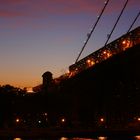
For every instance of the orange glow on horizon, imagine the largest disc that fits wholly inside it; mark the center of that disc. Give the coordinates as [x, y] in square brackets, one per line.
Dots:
[21, 84]
[29, 90]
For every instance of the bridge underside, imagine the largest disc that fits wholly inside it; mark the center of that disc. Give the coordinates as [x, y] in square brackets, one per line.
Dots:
[110, 90]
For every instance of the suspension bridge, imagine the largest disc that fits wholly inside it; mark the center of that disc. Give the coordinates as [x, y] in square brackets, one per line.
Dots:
[101, 91]
[106, 83]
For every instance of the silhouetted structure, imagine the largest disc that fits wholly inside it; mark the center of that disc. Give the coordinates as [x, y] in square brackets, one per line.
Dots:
[102, 91]
[47, 81]
[103, 88]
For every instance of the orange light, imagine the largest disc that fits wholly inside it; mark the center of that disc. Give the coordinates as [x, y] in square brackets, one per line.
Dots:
[71, 74]
[102, 138]
[63, 138]
[92, 62]
[29, 89]
[63, 120]
[17, 120]
[124, 42]
[68, 72]
[137, 137]
[17, 139]
[138, 119]
[104, 52]
[102, 119]
[88, 61]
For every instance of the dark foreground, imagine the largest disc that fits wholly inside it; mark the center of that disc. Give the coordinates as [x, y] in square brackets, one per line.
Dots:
[45, 132]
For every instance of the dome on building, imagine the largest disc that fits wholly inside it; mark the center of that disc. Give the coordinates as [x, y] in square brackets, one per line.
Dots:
[47, 74]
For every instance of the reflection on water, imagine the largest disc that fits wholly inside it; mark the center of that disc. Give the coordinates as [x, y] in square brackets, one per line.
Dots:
[63, 138]
[137, 137]
[17, 139]
[77, 138]
[102, 138]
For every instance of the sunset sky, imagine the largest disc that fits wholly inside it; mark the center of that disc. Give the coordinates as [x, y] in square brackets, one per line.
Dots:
[47, 35]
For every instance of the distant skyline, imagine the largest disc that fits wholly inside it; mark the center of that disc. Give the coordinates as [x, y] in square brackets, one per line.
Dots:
[46, 35]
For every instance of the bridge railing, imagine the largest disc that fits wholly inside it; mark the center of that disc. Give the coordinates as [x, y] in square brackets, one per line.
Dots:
[119, 45]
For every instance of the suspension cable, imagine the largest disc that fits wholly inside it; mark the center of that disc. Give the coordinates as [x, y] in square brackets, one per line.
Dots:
[109, 36]
[133, 22]
[89, 35]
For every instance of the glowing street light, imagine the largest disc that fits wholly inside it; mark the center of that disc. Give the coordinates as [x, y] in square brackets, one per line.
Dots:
[17, 120]
[101, 119]
[63, 120]
[138, 119]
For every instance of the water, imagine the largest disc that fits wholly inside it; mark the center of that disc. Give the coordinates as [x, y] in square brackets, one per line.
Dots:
[77, 138]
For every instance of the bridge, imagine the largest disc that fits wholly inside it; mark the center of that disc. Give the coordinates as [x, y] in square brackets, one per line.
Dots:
[101, 90]
[117, 46]
[104, 87]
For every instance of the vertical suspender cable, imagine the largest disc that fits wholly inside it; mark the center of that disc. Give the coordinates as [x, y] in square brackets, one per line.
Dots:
[89, 35]
[116, 22]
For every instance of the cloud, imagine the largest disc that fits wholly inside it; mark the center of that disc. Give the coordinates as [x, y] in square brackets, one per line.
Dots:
[9, 2]
[72, 6]
[31, 13]
[25, 12]
[41, 8]
[6, 13]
